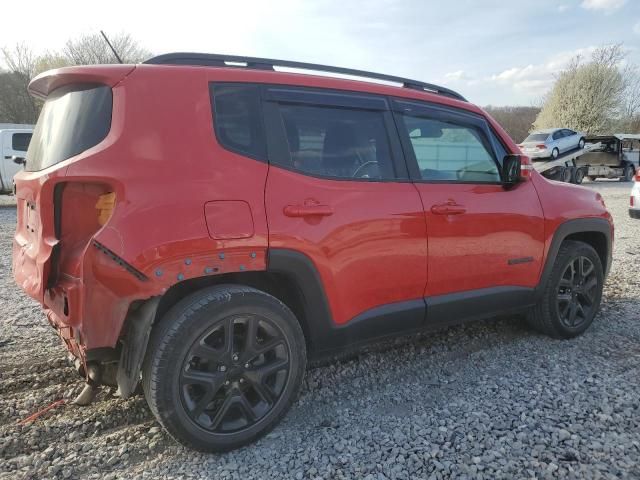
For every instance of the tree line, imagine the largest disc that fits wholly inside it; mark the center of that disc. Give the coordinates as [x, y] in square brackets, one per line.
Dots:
[23, 64]
[597, 95]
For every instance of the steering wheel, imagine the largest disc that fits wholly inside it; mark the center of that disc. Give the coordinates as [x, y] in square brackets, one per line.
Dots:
[365, 164]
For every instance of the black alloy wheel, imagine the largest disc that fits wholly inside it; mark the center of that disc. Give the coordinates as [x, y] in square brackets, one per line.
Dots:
[234, 373]
[577, 292]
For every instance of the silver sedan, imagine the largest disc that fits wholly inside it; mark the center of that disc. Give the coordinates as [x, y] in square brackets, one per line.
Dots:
[550, 143]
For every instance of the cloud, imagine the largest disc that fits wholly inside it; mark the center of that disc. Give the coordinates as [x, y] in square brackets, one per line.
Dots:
[457, 75]
[602, 4]
[563, 8]
[636, 28]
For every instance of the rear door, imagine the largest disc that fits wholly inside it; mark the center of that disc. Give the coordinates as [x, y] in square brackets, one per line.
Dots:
[338, 192]
[485, 241]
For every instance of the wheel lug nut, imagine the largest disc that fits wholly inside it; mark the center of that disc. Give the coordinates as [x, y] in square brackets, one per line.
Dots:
[227, 382]
[246, 365]
[242, 380]
[235, 358]
[223, 368]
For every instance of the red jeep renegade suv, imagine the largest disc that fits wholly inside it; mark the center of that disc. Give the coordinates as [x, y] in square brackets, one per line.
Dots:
[205, 224]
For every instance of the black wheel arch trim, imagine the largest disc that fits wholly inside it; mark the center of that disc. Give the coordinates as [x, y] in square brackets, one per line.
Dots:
[571, 227]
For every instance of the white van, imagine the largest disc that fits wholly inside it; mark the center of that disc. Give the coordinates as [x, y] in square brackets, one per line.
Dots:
[14, 143]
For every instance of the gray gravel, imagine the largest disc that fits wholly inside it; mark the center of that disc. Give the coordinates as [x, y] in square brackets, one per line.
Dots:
[486, 400]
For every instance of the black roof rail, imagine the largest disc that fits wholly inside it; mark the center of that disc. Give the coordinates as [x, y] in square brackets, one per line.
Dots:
[217, 60]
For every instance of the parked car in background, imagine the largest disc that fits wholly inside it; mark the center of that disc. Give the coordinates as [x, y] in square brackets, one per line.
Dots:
[14, 143]
[550, 143]
[634, 201]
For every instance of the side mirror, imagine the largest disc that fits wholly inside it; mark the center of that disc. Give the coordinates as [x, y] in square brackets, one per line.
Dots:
[511, 170]
[19, 160]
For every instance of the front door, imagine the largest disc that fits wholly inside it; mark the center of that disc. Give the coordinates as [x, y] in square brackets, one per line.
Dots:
[338, 192]
[485, 241]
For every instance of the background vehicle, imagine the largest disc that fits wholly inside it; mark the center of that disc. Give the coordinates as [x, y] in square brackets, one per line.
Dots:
[315, 214]
[552, 142]
[611, 156]
[14, 143]
[634, 200]
[604, 156]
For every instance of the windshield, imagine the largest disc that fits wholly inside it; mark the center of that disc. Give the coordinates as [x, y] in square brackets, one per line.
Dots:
[537, 137]
[73, 119]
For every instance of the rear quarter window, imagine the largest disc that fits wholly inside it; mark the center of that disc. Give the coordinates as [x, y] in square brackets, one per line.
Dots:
[237, 119]
[74, 118]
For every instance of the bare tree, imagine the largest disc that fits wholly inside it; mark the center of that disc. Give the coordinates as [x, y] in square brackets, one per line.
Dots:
[17, 106]
[92, 49]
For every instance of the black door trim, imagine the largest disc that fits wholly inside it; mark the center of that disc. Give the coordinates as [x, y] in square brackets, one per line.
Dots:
[390, 320]
[460, 307]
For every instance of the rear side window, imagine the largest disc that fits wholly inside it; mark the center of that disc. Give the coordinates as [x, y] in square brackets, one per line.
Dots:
[20, 141]
[237, 119]
[336, 142]
[537, 137]
[73, 119]
[449, 151]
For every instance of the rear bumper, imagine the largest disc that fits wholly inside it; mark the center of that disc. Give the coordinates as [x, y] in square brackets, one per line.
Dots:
[634, 213]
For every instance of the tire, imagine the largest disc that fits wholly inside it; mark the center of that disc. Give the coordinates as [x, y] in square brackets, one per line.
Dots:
[581, 144]
[627, 176]
[558, 297]
[566, 175]
[208, 385]
[578, 176]
[555, 153]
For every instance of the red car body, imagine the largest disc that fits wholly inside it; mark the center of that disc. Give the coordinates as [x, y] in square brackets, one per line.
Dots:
[188, 211]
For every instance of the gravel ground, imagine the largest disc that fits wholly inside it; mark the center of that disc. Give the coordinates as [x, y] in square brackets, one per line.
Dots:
[485, 400]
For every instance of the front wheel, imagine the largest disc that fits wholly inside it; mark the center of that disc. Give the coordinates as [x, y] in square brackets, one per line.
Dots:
[223, 367]
[572, 293]
[581, 144]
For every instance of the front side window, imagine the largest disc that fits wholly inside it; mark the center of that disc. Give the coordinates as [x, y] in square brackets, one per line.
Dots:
[20, 141]
[448, 151]
[336, 142]
[74, 118]
[237, 118]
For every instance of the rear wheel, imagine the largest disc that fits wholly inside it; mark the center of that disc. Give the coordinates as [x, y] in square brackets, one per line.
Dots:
[627, 176]
[223, 367]
[566, 174]
[555, 153]
[579, 176]
[572, 294]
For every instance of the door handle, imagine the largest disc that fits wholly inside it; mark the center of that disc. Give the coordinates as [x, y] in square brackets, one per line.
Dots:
[448, 209]
[308, 210]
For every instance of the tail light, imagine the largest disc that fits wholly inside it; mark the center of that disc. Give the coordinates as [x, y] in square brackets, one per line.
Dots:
[541, 146]
[631, 201]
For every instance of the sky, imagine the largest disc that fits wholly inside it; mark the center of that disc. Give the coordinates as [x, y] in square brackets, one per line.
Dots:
[494, 52]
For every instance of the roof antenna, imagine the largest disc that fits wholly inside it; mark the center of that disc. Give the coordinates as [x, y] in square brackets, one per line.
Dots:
[111, 47]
